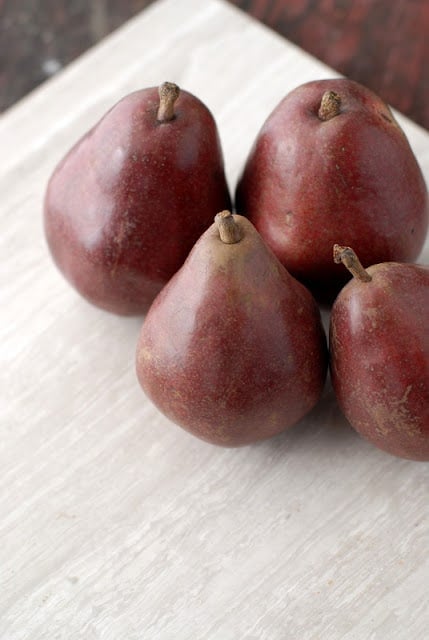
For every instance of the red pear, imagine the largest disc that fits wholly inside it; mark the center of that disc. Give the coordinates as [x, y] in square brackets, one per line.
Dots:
[379, 347]
[331, 161]
[232, 349]
[127, 203]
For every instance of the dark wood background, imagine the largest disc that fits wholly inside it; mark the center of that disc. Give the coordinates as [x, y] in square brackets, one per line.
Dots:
[382, 43]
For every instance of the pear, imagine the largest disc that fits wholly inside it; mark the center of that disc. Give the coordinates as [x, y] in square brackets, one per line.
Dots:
[232, 349]
[127, 203]
[379, 353]
[332, 162]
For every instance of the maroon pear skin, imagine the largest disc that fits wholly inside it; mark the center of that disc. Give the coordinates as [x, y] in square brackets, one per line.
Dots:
[347, 173]
[127, 203]
[379, 357]
[233, 349]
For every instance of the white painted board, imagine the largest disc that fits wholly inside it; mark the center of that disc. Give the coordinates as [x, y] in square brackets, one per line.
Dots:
[116, 524]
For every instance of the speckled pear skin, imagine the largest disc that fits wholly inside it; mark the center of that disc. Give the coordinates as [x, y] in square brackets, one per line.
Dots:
[127, 203]
[309, 183]
[379, 357]
[233, 349]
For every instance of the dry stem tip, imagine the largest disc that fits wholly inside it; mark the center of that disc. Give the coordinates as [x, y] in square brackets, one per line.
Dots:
[168, 94]
[347, 256]
[330, 106]
[229, 230]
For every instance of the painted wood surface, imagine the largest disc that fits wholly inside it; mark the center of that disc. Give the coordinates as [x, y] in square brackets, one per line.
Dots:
[382, 44]
[114, 523]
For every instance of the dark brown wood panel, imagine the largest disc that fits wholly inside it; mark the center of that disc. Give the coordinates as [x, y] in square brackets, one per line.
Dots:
[381, 43]
[39, 37]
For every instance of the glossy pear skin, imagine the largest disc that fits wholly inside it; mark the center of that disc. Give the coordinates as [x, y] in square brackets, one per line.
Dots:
[233, 349]
[308, 182]
[127, 203]
[379, 346]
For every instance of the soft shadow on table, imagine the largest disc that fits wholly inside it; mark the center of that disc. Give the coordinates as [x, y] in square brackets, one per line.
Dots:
[324, 427]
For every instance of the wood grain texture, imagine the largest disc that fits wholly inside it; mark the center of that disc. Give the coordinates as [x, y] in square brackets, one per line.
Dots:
[114, 523]
[39, 37]
[383, 45]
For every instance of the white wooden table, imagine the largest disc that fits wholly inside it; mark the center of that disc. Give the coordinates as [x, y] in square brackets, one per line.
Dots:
[114, 523]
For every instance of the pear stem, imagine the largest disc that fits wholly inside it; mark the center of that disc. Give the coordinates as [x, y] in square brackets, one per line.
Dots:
[347, 256]
[229, 231]
[330, 106]
[168, 94]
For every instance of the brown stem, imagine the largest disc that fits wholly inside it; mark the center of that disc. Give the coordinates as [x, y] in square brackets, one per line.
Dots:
[229, 230]
[347, 256]
[330, 106]
[168, 94]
